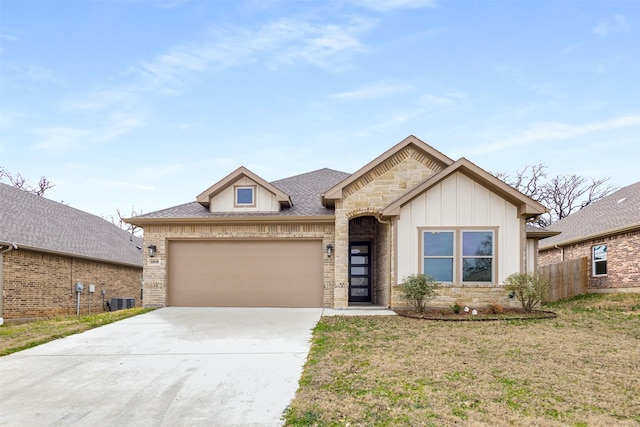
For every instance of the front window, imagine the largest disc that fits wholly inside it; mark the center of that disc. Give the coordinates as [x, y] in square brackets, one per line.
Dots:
[458, 255]
[477, 256]
[438, 255]
[600, 260]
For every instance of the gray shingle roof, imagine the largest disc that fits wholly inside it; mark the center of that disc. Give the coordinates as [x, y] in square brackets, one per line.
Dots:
[304, 189]
[619, 210]
[34, 222]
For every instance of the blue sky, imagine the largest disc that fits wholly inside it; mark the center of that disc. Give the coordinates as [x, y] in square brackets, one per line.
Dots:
[145, 104]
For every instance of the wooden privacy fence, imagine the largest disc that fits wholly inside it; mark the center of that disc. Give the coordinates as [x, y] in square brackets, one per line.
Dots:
[566, 279]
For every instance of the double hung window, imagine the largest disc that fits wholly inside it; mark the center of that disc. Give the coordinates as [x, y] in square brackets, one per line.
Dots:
[599, 257]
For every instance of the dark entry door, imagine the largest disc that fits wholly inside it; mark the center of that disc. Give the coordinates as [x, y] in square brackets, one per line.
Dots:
[359, 272]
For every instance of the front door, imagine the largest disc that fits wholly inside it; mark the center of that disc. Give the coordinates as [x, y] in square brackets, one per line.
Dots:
[359, 272]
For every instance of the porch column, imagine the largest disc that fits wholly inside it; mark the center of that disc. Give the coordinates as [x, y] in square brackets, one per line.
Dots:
[341, 261]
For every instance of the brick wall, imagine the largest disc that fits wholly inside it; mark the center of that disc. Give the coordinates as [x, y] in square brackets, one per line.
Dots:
[623, 265]
[155, 269]
[37, 284]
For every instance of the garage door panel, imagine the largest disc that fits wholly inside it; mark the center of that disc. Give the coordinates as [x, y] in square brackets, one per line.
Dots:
[246, 273]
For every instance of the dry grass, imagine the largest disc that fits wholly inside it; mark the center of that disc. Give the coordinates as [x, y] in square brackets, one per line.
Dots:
[16, 337]
[581, 369]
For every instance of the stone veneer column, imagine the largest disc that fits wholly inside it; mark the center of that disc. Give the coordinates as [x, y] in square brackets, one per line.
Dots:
[341, 261]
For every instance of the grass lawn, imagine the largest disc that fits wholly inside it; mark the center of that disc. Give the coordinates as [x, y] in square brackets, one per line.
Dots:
[18, 337]
[579, 369]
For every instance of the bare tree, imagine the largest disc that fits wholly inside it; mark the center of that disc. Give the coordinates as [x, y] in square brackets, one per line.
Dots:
[562, 194]
[120, 222]
[20, 182]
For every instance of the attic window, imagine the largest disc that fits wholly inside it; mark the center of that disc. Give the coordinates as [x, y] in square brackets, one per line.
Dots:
[245, 196]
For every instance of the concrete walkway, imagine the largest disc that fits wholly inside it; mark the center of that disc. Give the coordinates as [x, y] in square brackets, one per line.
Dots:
[171, 367]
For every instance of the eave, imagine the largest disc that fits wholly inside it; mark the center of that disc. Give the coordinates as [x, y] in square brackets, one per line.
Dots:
[613, 231]
[281, 219]
[527, 207]
[335, 193]
[76, 256]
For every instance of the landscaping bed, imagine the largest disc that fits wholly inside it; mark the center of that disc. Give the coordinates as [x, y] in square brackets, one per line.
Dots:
[482, 314]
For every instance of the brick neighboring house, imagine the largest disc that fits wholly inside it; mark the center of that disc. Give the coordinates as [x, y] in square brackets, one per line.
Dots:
[607, 232]
[329, 238]
[47, 247]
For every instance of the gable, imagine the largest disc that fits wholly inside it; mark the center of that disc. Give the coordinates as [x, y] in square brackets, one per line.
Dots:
[391, 174]
[243, 191]
[526, 207]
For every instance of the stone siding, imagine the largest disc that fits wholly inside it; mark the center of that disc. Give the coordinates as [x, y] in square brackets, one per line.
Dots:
[367, 196]
[37, 284]
[155, 271]
[623, 267]
[473, 296]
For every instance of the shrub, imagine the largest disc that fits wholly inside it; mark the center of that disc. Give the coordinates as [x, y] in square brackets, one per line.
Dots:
[495, 309]
[417, 289]
[457, 308]
[529, 289]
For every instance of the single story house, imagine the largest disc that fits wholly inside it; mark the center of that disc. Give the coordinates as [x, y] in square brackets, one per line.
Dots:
[334, 239]
[607, 233]
[47, 247]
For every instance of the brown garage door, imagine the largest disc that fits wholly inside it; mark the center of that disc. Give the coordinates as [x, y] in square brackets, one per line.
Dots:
[245, 273]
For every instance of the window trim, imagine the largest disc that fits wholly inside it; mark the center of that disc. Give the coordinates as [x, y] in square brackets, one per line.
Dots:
[463, 257]
[452, 257]
[253, 189]
[458, 252]
[594, 262]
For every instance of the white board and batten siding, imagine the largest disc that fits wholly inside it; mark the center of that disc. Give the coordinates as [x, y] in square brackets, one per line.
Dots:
[225, 200]
[458, 201]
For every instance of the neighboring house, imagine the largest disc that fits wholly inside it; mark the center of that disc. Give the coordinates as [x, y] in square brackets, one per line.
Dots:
[607, 232]
[47, 247]
[329, 238]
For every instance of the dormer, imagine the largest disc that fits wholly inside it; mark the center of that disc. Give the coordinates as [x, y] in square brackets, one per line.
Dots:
[242, 191]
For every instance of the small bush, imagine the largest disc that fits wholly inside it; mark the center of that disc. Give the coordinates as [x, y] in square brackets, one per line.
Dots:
[529, 289]
[417, 289]
[495, 309]
[457, 308]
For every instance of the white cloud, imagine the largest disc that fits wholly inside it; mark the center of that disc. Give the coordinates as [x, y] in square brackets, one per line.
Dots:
[278, 43]
[36, 73]
[388, 5]
[546, 132]
[60, 138]
[119, 185]
[381, 90]
[614, 24]
[99, 100]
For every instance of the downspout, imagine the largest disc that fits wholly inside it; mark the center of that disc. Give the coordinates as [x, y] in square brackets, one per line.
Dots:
[3, 250]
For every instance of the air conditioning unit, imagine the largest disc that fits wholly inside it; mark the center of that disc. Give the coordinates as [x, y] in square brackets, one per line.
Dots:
[122, 303]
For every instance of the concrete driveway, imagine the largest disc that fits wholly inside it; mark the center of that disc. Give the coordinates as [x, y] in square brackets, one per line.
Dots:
[171, 367]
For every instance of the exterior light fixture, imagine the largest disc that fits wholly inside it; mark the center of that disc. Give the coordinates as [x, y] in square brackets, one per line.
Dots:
[152, 250]
[329, 250]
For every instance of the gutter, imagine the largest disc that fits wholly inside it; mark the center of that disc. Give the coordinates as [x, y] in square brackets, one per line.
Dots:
[74, 255]
[618, 230]
[283, 219]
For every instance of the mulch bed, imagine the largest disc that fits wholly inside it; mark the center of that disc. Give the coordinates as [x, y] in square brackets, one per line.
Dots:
[447, 314]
